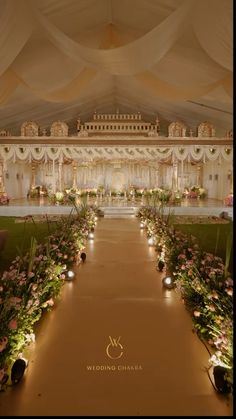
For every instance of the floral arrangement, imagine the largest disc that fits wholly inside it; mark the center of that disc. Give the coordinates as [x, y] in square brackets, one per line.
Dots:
[4, 199]
[34, 281]
[195, 192]
[229, 200]
[204, 284]
[91, 192]
[176, 197]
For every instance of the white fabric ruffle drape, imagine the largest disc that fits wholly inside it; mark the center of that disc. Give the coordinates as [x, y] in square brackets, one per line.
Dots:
[90, 154]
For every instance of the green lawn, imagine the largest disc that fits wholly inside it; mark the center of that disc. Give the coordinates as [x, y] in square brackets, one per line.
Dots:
[207, 237]
[19, 237]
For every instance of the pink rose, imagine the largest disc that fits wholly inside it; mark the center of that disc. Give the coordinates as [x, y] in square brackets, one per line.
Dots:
[12, 324]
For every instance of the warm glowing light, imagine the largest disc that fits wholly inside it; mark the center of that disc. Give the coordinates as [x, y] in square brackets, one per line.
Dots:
[91, 235]
[96, 218]
[141, 225]
[70, 275]
[168, 282]
[150, 241]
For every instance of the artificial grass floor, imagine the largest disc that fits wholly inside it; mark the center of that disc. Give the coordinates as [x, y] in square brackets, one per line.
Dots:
[19, 237]
[211, 237]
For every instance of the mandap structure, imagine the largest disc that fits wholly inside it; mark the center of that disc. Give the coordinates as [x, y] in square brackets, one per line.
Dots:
[116, 152]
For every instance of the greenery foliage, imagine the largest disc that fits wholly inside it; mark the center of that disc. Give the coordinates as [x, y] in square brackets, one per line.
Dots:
[203, 282]
[34, 280]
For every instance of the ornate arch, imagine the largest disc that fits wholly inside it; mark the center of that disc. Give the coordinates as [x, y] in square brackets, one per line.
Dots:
[206, 129]
[177, 129]
[29, 129]
[59, 129]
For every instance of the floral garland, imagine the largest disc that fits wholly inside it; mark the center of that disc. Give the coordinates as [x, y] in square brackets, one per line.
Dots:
[203, 283]
[33, 281]
[229, 200]
[4, 199]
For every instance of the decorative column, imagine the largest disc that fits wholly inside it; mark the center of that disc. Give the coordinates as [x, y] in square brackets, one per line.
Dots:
[74, 181]
[150, 177]
[157, 176]
[182, 176]
[175, 176]
[199, 176]
[2, 186]
[33, 172]
[60, 164]
[53, 177]
[230, 181]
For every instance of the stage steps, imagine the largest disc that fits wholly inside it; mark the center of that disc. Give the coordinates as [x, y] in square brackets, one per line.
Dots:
[119, 212]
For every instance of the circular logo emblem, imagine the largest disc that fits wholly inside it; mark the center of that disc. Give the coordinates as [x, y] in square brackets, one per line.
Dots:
[114, 349]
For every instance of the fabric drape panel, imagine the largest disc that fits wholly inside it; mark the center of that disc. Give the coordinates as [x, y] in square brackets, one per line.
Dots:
[213, 26]
[43, 67]
[228, 85]
[8, 84]
[15, 30]
[128, 59]
[72, 90]
[153, 56]
[170, 92]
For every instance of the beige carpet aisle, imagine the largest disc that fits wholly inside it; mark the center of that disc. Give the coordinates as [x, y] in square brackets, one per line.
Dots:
[117, 293]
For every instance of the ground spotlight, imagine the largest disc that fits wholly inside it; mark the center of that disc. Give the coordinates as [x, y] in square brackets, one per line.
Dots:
[168, 282]
[141, 225]
[18, 369]
[70, 275]
[160, 265]
[83, 256]
[91, 235]
[221, 383]
[151, 241]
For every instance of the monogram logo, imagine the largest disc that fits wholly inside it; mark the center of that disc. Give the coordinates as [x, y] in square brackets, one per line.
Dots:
[114, 349]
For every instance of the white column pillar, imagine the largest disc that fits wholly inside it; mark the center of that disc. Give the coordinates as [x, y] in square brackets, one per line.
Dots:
[53, 177]
[230, 181]
[182, 176]
[199, 176]
[74, 175]
[150, 177]
[60, 176]
[33, 170]
[2, 186]
[175, 176]
[157, 176]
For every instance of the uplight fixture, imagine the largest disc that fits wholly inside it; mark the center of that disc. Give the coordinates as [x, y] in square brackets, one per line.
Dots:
[168, 282]
[91, 235]
[18, 370]
[70, 275]
[151, 241]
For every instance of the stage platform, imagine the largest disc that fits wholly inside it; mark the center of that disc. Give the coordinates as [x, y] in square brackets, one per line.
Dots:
[114, 208]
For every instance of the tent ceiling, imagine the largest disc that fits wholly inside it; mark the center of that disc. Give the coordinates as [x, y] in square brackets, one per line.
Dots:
[60, 59]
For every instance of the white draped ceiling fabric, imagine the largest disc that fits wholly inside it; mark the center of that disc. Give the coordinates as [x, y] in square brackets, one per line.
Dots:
[61, 58]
